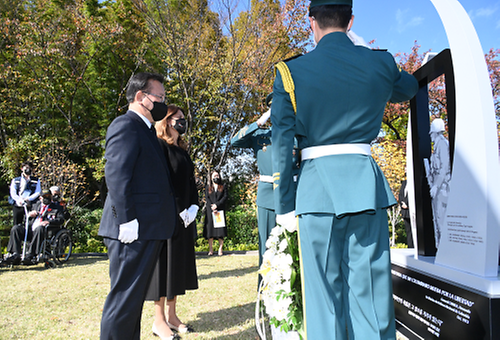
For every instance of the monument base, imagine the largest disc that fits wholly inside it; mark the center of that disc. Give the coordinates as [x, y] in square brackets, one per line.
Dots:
[436, 302]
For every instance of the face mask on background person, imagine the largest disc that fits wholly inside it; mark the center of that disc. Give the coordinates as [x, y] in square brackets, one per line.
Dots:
[46, 200]
[27, 171]
[217, 180]
[180, 126]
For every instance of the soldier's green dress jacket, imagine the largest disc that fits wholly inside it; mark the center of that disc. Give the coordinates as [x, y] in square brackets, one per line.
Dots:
[259, 140]
[344, 106]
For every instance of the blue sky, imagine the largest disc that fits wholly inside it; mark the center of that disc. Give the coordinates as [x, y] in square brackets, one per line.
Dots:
[396, 24]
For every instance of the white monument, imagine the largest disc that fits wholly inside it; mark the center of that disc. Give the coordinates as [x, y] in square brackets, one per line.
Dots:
[471, 232]
[456, 293]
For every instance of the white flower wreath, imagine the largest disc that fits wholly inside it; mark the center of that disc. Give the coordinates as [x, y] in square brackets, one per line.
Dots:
[280, 288]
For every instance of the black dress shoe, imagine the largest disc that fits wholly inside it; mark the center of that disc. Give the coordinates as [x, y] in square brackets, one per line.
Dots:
[29, 259]
[186, 329]
[14, 259]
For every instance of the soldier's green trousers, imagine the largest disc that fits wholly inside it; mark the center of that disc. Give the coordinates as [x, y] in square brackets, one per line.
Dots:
[346, 276]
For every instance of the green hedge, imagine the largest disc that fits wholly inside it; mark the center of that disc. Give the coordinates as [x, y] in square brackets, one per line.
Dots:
[84, 226]
[242, 232]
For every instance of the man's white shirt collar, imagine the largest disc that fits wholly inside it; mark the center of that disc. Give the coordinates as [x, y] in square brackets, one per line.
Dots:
[146, 121]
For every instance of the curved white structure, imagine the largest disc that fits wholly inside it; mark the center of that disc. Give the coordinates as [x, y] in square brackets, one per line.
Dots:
[470, 239]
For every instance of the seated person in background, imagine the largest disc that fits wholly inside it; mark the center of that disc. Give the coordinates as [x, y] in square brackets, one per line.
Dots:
[57, 199]
[43, 213]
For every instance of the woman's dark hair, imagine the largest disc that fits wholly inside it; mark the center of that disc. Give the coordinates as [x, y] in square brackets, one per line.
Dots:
[220, 187]
[162, 131]
[331, 16]
[141, 82]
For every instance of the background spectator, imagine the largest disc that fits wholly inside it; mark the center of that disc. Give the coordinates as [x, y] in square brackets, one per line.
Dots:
[216, 196]
[23, 189]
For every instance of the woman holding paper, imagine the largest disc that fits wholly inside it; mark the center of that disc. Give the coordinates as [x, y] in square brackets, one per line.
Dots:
[215, 226]
[175, 270]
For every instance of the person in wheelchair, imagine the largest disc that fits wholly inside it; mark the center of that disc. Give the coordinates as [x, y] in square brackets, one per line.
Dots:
[58, 199]
[44, 213]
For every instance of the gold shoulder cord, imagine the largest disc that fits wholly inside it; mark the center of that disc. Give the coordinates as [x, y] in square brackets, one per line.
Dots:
[288, 84]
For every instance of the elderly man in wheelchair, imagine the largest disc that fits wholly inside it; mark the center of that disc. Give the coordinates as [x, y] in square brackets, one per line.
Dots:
[45, 217]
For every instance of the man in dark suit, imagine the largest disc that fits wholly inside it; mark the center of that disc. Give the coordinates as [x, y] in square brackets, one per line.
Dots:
[139, 213]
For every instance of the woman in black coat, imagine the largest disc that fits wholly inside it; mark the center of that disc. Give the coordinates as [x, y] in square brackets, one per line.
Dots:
[175, 270]
[216, 196]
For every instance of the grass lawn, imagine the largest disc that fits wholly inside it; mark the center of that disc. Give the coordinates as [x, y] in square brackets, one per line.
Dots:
[66, 302]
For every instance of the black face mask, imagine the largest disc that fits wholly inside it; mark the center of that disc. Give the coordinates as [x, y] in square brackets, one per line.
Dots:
[180, 126]
[46, 200]
[27, 171]
[56, 198]
[159, 111]
[217, 180]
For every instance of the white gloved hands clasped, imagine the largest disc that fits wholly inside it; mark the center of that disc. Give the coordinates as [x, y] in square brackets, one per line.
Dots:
[129, 232]
[288, 221]
[263, 119]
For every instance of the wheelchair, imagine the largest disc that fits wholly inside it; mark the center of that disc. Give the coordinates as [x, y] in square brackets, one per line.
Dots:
[55, 248]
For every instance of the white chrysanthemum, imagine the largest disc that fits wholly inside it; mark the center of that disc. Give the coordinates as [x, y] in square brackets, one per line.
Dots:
[281, 265]
[281, 260]
[280, 308]
[272, 242]
[282, 245]
[277, 231]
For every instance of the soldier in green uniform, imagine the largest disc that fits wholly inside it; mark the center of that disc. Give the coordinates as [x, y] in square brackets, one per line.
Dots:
[258, 137]
[332, 100]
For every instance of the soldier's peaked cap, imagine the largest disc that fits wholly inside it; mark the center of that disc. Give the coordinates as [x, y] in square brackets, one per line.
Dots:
[330, 2]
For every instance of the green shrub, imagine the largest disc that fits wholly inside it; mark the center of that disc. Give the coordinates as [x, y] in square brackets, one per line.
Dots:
[84, 226]
[242, 226]
[242, 231]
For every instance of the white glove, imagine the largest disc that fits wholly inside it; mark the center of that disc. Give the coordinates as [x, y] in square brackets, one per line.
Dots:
[288, 221]
[184, 217]
[192, 212]
[263, 119]
[356, 39]
[129, 232]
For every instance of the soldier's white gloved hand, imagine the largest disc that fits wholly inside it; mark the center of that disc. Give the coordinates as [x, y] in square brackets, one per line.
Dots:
[288, 221]
[129, 232]
[263, 119]
[356, 39]
[192, 212]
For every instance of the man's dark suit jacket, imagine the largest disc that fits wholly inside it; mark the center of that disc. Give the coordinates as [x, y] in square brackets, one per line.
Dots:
[138, 181]
[54, 214]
